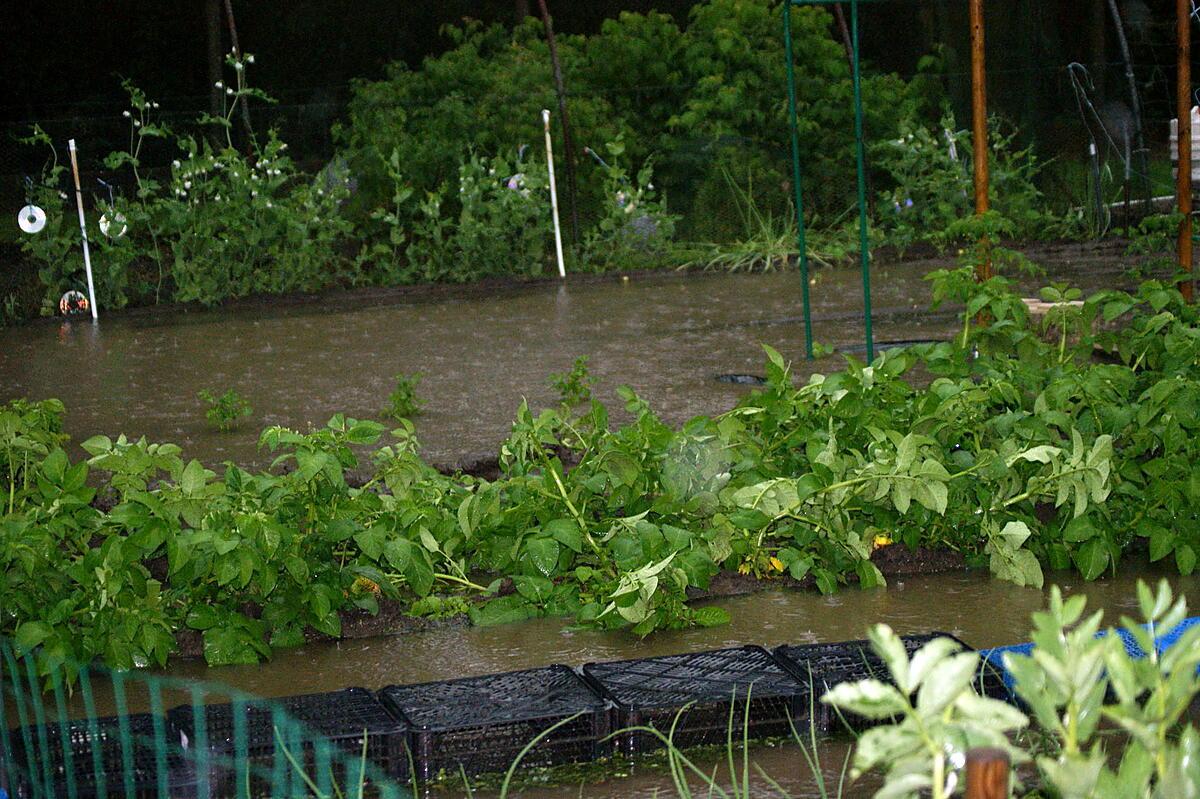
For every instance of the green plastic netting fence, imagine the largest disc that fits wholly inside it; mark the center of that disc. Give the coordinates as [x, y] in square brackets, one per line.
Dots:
[91, 732]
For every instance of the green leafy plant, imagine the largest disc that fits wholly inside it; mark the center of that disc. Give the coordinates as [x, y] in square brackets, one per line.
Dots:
[929, 166]
[939, 714]
[634, 226]
[224, 223]
[225, 411]
[574, 387]
[403, 402]
[1020, 454]
[1077, 676]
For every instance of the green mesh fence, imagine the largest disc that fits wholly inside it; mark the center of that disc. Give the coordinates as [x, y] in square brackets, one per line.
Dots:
[92, 732]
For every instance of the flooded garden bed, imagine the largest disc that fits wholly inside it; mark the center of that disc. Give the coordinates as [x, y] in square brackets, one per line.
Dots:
[592, 535]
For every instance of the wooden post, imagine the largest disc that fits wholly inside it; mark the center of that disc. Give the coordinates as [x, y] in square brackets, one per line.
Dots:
[565, 120]
[1183, 174]
[979, 119]
[987, 774]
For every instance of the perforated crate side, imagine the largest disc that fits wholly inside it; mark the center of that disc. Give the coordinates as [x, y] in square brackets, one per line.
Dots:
[340, 717]
[653, 691]
[481, 724]
[830, 664]
[85, 738]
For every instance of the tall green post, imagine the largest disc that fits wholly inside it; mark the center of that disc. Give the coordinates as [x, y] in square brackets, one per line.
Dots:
[796, 185]
[860, 155]
[864, 244]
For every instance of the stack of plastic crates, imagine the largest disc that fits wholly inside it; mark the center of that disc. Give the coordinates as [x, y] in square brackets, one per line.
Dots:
[824, 666]
[129, 756]
[481, 724]
[701, 696]
[246, 745]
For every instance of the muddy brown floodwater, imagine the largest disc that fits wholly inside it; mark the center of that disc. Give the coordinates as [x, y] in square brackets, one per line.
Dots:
[970, 605]
[480, 352]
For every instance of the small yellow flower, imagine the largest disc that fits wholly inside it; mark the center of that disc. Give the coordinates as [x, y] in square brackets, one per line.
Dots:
[776, 564]
[882, 540]
[744, 568]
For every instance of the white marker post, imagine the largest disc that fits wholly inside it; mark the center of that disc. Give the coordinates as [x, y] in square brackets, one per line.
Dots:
[562, 270]
[87, 256]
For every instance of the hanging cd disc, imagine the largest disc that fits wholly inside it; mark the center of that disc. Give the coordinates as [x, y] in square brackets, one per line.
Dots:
[73, 303]
[31, 219]
[113, 227]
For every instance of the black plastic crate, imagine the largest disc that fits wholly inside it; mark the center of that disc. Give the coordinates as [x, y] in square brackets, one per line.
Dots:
[828, 665]
[341, 717]
[481, 724]
[652, 692]
[102, 736]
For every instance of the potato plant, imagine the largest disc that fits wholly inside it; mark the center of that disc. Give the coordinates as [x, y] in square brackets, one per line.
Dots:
[1019, 454]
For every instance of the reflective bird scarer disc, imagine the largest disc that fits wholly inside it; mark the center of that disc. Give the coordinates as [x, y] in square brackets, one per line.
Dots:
[31, 219]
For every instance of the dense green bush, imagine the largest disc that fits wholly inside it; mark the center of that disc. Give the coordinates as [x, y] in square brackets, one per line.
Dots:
[696, 97]
[932, 184]
[441, 178]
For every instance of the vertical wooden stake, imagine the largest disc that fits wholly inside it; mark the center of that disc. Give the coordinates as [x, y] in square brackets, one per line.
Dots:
[987, 774]
[979, 123]
[568, 142]
[1183, 175]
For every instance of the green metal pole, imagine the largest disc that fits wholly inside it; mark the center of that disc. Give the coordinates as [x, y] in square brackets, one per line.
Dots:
[863, 243]
[796, 185]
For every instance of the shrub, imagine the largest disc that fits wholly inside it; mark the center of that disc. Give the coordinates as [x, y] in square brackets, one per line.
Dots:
[403, 402]
[225, 411]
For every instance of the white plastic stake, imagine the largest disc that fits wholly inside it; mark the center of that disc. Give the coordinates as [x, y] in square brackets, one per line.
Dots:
[87, 256]
[562, 270]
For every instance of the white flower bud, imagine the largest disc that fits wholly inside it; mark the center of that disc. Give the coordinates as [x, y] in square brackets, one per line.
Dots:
[176, 163]
[229, 91]
[219, 85]
[125, 114]
[187, 184]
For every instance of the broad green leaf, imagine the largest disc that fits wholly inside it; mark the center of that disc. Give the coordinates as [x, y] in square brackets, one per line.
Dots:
[869, 698]
[30, 635]
[1091, 559]
[946, 680]
[566, 532]
[543, 552]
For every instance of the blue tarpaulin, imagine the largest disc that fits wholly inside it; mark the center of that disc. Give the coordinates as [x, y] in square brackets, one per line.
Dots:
[1163, 642]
